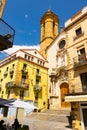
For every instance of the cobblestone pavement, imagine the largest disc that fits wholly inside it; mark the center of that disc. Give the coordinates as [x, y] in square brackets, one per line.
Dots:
[41, 122]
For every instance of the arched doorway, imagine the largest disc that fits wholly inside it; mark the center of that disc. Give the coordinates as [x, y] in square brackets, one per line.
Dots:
[64, 89]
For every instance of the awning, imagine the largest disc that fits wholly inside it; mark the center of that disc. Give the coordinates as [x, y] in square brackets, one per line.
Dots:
[4, 102]
[75, 98]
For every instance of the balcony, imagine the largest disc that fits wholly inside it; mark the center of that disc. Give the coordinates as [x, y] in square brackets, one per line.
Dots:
[24, 85]
[38, 75]
[6, 35]
[80, 60]
[14, 84]
[11, 71]
[37, 88]
[10, 84]
[6, 73]
[24, 72]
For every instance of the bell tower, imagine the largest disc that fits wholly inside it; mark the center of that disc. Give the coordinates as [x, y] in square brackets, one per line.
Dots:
[49, 30]
[2, 5]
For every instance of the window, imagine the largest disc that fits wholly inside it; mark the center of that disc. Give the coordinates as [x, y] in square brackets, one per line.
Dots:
[1, 80]
[32, 58]
[43, 63]
[25, 56]
[2, 94]
[37, 82]
[23, 78]
[35, 52]
[11, 76]
[84, 81]
[13, 65]
[24, 66]
[38, 61]
[7, 69]
[81, 55]
[38, 71]
[36, 96]
[21, 94]
[81, 51]
[62, 44]
[8, 95]
[78, 31]
[28, 57]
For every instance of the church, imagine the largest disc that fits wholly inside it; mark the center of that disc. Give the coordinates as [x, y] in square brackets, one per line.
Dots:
[66, 52]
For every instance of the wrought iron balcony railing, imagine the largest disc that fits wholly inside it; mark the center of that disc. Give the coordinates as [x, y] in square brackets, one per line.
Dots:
[24, 71]
[6, 73]
[80, 60]
[38, 75]
[37, 88]
[15, 84]
[6, 35]
[11, 71]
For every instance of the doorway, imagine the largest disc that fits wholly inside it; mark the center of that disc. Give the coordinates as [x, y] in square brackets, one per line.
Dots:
[64, 89]
[84, 113]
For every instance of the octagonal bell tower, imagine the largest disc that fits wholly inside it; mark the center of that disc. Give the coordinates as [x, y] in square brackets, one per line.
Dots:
[49, 30]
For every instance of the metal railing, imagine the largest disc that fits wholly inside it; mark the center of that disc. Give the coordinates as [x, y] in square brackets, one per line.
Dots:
[18, 84]
[37, 88]
[24, 71]
[11, 71]
[80, 60]
[38, 75]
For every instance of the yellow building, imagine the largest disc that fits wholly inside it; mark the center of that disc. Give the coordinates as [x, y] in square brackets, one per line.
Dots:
[49, 30]
[23, 75]
[76, 30]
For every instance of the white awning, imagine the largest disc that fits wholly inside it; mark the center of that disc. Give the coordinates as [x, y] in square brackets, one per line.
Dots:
[75, 98]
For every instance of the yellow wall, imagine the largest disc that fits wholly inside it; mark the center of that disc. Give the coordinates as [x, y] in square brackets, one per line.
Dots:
[31, 80]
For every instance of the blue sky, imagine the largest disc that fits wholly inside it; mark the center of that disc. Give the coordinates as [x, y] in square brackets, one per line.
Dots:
[24, 16]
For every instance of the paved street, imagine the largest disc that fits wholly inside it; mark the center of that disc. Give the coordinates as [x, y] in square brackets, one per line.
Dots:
[43, 121]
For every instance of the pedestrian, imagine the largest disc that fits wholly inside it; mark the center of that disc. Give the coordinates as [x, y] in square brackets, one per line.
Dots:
[15, 125]
[1, 125]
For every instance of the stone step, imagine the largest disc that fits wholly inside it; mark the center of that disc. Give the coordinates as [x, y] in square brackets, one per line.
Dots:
[57, 112]
[58, 116]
